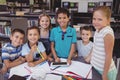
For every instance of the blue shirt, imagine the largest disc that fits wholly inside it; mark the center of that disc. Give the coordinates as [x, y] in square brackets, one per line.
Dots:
[63, 40]
[26, 50]
[9, 52]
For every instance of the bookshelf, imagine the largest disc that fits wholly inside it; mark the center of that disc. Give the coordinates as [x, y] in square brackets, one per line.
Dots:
[13, 21]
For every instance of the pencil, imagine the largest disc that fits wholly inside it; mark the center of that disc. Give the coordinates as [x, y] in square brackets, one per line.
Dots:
[40, 53]
[28, 70]
[88, 73]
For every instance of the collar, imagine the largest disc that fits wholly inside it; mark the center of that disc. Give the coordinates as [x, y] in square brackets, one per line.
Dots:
[29, 44]
[68, 30]
[10, 44]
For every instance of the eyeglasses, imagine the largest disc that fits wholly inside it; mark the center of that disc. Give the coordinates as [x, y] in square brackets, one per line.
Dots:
[63, 33]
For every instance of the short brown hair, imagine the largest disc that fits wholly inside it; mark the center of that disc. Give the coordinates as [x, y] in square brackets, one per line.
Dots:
[17, 30]
[87, 28]
[33, 27]
[62, 10]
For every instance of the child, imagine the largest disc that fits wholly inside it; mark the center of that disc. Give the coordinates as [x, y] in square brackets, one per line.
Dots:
[84, 46]
[11, 52]
[63, 37]
[34, 50]
[45, 26]
[103, 44]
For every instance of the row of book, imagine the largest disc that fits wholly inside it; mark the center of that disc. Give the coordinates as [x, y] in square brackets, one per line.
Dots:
[5, 29]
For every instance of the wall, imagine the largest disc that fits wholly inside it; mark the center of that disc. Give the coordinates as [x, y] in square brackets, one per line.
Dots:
[83, 4]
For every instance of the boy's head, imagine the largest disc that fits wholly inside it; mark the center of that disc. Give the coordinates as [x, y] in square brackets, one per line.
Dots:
[62, 15]
[85, 33]
[62, 10]
[17, 37]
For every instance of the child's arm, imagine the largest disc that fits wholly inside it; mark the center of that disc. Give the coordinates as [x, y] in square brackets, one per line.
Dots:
[109, 44]
[9, 64]
[88, 58]
[54, 53]
[72, 50]
[29, 57]
[32, 64]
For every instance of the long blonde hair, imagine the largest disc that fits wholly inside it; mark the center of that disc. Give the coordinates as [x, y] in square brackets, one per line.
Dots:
[40, 16]
[105, 10]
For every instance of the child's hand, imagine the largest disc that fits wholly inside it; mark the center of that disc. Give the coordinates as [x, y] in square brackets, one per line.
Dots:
[22, 59]
[104, 77]
[49, 59]
[57, 59]
[87, 60]
[34, 48]
[69, 61]
[31, 64]
[3, 70]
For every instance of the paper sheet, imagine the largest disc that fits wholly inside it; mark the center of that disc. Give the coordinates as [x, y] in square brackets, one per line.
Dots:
[53, 77]
[24, 69]
[79, 68]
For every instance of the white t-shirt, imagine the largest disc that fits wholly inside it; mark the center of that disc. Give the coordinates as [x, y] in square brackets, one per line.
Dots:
[98, 53]
[84, 50]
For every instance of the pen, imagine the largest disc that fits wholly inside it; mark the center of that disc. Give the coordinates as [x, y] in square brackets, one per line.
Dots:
[40, 53]
[88, 73]
[56, 67]
[28, 70]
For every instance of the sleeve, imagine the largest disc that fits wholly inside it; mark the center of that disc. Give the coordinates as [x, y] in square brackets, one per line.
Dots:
[41, 47]
[52, 35]
[5, 53]
[108, 31]
[24, 50]
[74, 40]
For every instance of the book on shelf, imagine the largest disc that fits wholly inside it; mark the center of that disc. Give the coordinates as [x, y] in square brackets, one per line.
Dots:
[5, 30]
[32, 23]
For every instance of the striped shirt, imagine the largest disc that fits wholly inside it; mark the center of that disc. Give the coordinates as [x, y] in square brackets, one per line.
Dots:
[9, 52]
[98, 54]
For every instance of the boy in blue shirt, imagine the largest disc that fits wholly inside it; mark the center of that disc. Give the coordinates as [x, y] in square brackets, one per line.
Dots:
[63, 37]
[11, 52]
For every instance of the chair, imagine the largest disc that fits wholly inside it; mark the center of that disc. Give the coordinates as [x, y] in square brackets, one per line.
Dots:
[21, 23]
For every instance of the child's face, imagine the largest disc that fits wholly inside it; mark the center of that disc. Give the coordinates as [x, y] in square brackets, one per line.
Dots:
[85, 35]
[62, 20]
[44, 22]
[17, 39]
[33, 36]
[100, 20]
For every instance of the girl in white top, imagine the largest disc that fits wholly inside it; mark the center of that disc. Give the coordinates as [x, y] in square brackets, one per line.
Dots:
[84, 46]
[103, 44]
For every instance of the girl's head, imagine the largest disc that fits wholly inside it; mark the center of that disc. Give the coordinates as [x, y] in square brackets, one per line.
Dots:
[33, 34]
[101, 17]
[62, 15]
[44, 21]
[85, 33]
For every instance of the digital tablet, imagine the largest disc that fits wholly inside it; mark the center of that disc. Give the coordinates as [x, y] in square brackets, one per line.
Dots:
[59, 64]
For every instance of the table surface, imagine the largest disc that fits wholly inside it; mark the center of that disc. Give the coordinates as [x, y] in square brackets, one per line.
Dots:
[95, 74]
